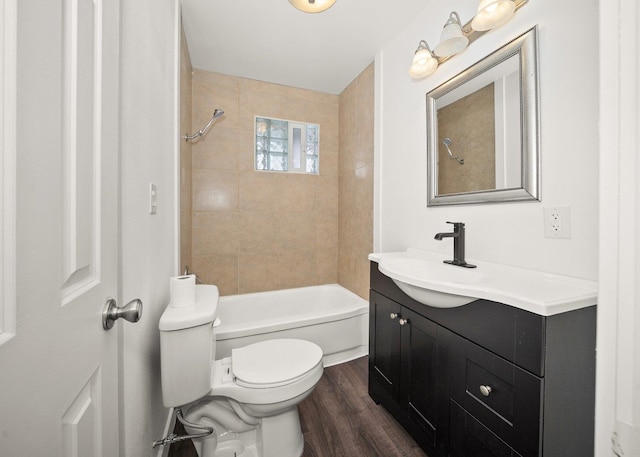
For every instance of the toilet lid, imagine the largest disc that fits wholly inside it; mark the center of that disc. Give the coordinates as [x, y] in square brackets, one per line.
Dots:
[274, 363]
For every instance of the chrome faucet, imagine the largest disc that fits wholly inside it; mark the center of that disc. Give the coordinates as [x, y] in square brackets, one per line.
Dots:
[458, 244]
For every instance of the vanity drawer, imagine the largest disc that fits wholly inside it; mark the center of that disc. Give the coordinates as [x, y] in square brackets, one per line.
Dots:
[502, 396]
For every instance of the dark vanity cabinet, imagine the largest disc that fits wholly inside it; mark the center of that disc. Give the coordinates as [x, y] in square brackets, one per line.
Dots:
[484, 379]
[404, 366]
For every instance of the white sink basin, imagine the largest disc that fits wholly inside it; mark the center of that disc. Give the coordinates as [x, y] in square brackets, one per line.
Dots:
[423, 276]
[413, 277]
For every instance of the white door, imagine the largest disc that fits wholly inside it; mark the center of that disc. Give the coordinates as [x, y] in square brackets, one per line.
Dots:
[58, 373]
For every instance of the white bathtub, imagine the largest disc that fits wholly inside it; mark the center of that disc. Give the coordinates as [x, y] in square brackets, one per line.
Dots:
[334, 318]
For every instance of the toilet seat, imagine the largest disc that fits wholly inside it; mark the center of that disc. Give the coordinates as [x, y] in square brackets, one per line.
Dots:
[274, 363]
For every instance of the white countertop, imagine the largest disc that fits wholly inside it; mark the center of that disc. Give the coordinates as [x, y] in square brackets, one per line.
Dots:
[542, 293]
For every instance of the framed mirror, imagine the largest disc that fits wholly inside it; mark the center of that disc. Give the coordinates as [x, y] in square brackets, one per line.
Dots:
[483, 130]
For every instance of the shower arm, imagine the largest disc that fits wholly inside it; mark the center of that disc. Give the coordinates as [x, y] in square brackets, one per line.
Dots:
[216, 114]
[446, 143]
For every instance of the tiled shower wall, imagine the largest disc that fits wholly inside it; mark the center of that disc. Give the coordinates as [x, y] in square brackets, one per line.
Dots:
[258, 231]
[356, 183]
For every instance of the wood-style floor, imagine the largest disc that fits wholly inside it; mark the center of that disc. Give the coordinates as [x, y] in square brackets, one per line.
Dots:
[339, 419]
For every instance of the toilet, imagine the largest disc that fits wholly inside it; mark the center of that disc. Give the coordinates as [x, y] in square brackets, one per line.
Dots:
[251, 398]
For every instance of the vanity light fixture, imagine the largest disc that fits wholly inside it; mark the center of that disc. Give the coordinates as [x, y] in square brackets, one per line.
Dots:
[312, 6]
[452, 40]
[424, 63]
[456, 37]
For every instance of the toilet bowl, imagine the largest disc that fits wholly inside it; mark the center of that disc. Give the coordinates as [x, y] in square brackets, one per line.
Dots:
[251, 398]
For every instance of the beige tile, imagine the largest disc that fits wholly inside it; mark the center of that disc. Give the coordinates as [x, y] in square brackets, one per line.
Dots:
[296, 192]
[215, 232]
[329, 163]
[209, 96]
[346, 270]
[326, 266]
[326, 194]
[356, 189]
[252, 104]
[365, 90]
[185, 238]
[246, 150]
[218, 150]
[185, 176]
[258, 271]
[296, 268]
[259, 191]
[215, 190]
[363, 153]
[259, 231]
[252, 85]
[296, 231]
[213, 78]
[326, 230]
[220, 270]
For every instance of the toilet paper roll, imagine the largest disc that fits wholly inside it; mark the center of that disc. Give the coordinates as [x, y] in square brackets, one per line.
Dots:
[182, 291]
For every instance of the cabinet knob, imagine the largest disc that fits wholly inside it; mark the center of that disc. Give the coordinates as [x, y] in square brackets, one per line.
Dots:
[485, 390]
[403, 321]
[393, 316]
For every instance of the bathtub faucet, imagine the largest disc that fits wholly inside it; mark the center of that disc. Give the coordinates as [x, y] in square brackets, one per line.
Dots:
[458, 244]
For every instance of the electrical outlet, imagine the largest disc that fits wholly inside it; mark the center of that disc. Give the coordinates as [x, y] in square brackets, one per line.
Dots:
[557, 222]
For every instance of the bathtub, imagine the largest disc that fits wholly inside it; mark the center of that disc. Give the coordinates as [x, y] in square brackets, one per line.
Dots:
[334, 318]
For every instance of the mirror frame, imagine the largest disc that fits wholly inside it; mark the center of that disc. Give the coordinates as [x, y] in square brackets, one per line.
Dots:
[526, 47]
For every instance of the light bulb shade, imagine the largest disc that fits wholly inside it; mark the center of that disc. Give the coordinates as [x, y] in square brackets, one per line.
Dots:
[492, 14]
[421, 56]
[423, 63]
[452, 41]
[422, 70]
[312, 6]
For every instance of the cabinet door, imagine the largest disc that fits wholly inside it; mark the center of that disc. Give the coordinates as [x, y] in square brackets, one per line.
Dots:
[384, 354]
[421, 370]
[470, 438]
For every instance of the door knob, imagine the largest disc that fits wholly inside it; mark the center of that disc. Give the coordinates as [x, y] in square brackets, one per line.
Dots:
[393, 316]
[131, 312]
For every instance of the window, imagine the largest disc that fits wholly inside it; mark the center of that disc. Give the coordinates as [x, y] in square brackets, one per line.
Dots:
[287, 146]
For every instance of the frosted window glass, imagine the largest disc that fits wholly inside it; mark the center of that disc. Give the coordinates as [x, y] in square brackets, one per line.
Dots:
[286, 146]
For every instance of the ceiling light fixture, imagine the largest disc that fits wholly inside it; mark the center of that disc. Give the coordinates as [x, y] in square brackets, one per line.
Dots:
[455, 37]
[312, 6]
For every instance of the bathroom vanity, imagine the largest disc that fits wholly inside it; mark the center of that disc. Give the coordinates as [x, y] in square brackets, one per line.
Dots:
[484, 378]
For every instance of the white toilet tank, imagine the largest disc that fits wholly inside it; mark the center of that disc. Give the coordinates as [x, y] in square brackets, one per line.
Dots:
[187, 348]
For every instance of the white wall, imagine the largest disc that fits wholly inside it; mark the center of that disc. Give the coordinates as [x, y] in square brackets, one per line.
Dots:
[506, 233]
[618, 369]
[149, 154]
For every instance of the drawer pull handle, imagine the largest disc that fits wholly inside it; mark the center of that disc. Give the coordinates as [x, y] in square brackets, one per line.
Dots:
[393, 316]
[485, 390]
[403, 321]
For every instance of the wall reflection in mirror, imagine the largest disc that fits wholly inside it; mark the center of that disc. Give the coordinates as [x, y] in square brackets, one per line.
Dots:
[483, 130]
